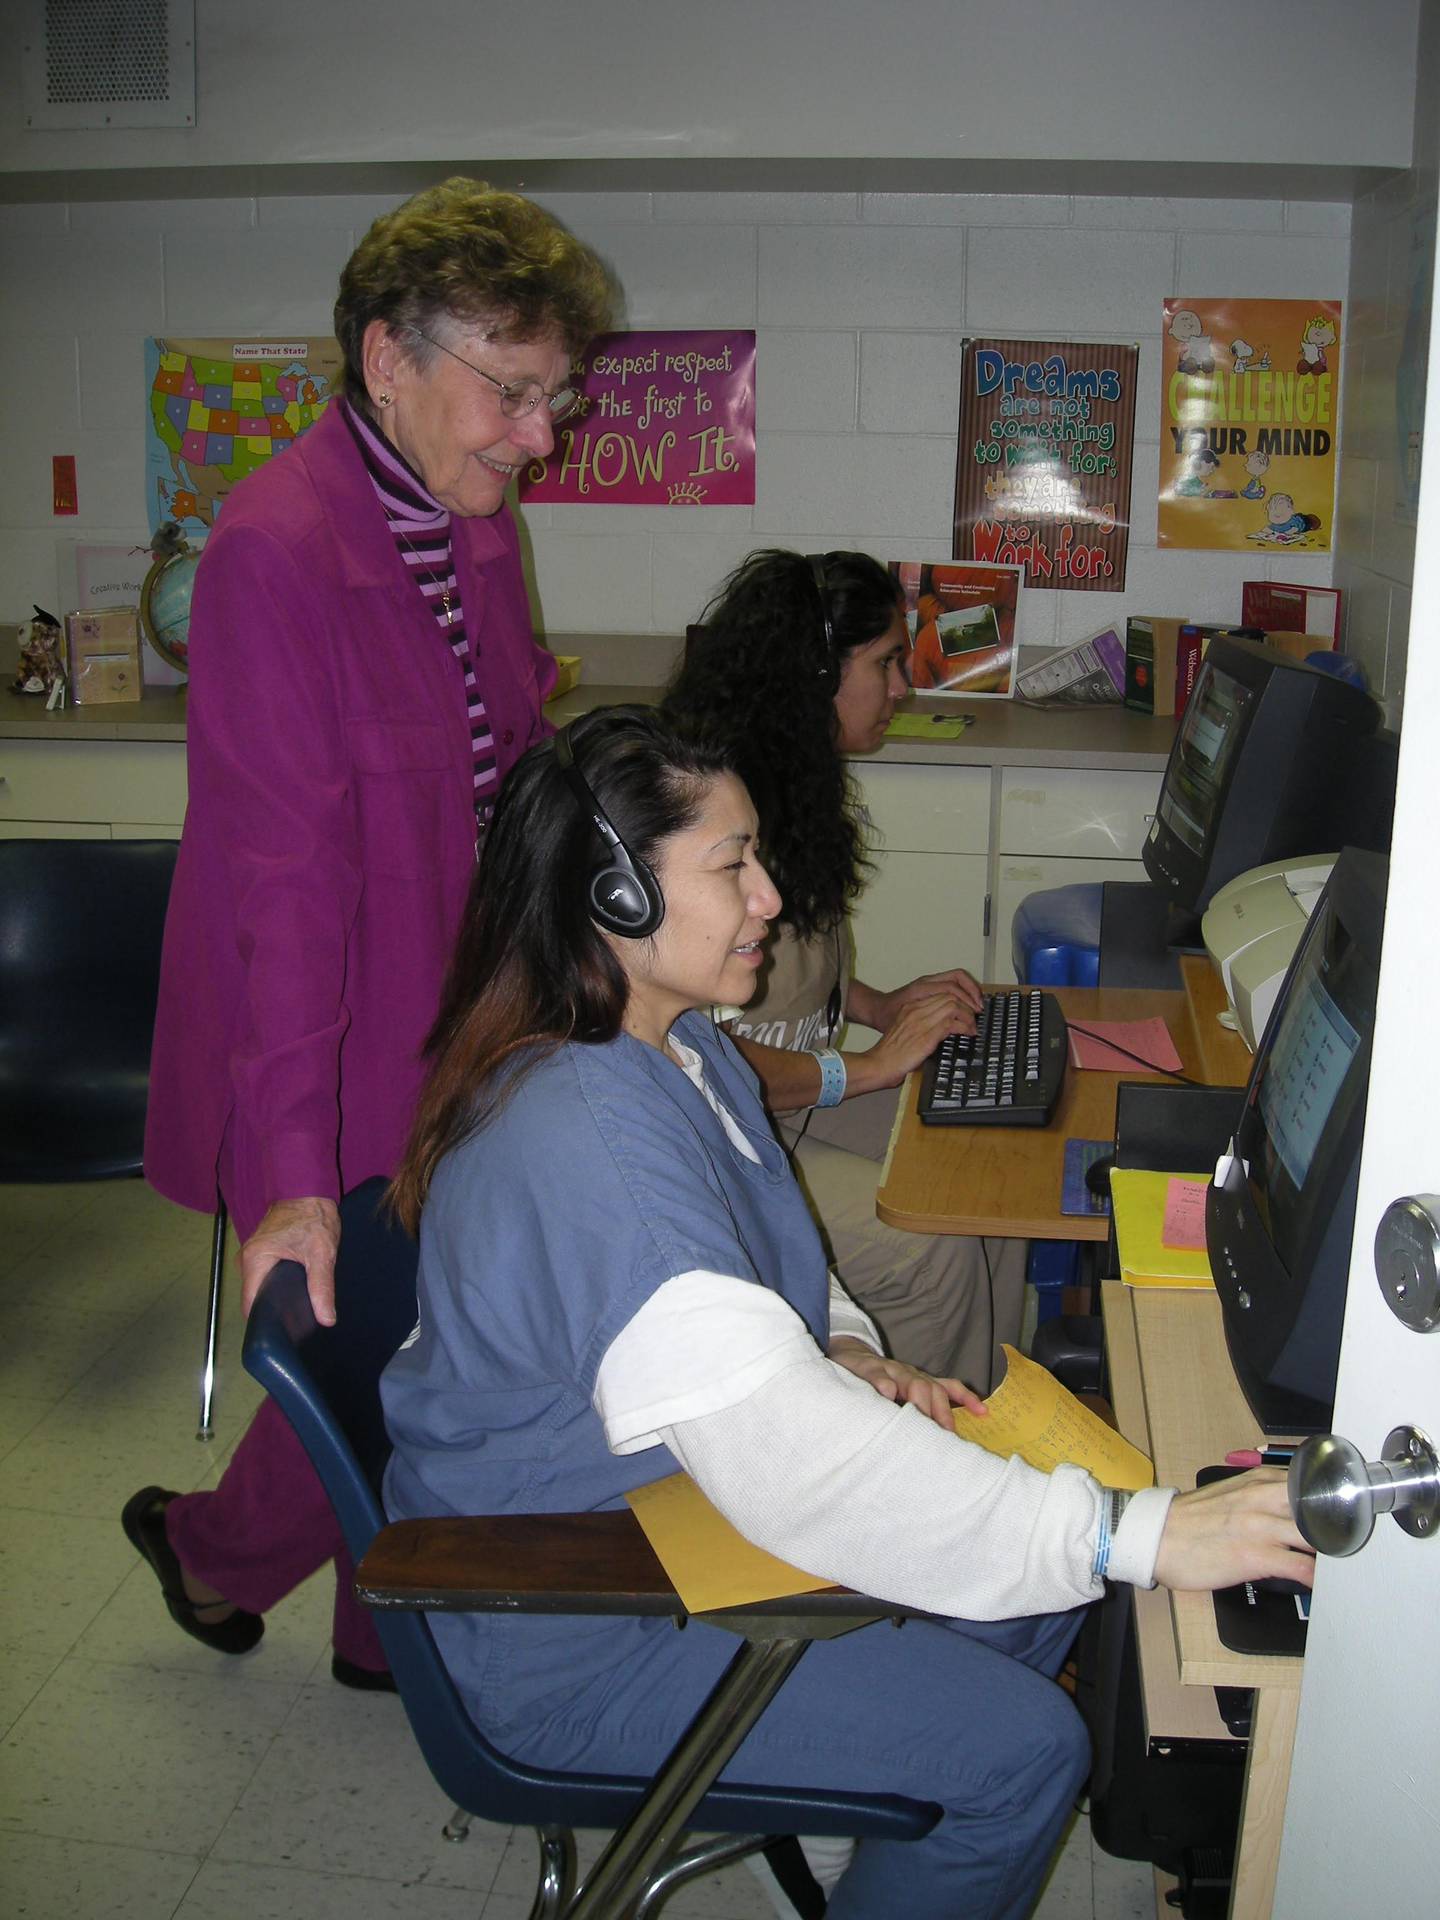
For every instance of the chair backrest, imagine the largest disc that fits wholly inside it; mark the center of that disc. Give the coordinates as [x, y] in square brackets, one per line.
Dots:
[81, 927]
[84, 914]
[326, 1381]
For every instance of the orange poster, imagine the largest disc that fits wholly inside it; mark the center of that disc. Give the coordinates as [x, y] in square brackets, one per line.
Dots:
[1250, 424]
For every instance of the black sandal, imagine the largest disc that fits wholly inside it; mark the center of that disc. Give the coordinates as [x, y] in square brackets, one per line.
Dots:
[144, 1522]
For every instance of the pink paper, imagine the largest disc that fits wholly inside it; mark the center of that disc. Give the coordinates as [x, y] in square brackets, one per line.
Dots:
[1184, 1223]
[1139, 1046]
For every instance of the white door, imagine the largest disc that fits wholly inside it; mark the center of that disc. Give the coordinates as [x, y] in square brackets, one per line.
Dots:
[1362, 1826]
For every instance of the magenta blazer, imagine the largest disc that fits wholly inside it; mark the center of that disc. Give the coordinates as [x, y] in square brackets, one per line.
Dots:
[330, 836]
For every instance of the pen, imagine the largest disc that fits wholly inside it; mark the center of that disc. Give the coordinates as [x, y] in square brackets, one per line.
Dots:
[1259, 1457]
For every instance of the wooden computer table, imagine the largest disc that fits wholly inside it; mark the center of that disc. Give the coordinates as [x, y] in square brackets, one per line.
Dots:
[1173, 1389]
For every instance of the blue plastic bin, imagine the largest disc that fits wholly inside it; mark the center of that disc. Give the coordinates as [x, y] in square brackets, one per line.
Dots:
[1055, 937]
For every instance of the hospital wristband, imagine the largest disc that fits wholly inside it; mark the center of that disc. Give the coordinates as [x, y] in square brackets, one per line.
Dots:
[1113, 1503]
[832, 1076]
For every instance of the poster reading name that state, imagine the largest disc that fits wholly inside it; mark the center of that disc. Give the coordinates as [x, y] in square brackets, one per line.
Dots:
[1042, 468]
[219, 409]
[1250, 420]
[665, 420]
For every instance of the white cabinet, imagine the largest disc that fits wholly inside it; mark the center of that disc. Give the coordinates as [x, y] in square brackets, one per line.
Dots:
[943, 851]
[91, 789]
[924, 902]
[1101, 813]
[1061, 827]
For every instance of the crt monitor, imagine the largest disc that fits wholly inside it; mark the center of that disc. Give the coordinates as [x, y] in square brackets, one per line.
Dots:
[1272, 759]
[1280, 1212]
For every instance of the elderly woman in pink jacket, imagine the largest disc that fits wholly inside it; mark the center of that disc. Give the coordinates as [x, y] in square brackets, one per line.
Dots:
[363, 677]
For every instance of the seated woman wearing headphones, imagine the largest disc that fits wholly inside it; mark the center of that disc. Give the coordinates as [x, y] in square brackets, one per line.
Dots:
[619, 1275]
[800, 662]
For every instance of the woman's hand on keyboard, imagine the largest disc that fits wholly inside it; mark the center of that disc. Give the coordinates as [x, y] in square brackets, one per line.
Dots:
[880, 1010]
[913, 1035]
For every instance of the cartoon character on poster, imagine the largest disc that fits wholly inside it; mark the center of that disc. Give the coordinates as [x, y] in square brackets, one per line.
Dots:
[1250, 399]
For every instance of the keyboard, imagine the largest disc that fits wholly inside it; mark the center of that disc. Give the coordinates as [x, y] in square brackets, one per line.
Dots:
[1008, 1073]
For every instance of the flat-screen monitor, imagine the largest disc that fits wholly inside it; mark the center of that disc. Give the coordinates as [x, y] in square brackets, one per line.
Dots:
[1271, 759]
[1280, 1212]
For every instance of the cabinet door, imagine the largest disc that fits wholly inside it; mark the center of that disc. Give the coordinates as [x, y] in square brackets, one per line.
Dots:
[140, 781]
[54, 830]
[920, 912]
[925, 809]
[1015, 878]
[1101, 813]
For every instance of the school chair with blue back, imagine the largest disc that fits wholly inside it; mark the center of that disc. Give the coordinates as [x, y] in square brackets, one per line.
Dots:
[326, 1381]
[81, 927]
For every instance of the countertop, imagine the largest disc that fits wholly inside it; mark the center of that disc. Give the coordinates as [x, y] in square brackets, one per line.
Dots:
[625, 668]
[1003, 733]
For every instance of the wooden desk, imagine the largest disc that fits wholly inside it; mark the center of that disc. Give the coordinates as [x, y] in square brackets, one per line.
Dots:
[1006, 1180]
[1176, 1397]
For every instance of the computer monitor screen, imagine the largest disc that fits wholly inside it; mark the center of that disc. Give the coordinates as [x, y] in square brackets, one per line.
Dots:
[1281, 1211]
[1273, 759]
[1209, 734]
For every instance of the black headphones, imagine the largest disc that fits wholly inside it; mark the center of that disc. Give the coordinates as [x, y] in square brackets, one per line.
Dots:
[623, 895]
[830, 668]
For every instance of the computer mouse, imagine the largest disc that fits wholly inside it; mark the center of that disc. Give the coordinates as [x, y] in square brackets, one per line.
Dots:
[1097, 1176]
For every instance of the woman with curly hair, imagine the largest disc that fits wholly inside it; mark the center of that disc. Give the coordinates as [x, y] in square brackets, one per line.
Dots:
[799, 663]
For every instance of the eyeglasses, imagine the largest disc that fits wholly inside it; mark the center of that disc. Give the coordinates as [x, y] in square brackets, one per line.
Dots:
[518, 398]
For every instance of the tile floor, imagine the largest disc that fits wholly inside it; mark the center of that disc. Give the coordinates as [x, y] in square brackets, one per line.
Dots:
[142, 1777]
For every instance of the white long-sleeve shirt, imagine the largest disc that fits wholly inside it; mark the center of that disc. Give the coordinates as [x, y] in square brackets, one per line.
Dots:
[813, 1464]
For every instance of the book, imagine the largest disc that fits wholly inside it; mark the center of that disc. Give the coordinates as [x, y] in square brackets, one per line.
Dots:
[1282, 605]
[1162, 659]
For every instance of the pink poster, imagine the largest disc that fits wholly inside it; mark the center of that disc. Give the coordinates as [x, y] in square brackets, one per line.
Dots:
[666, 420]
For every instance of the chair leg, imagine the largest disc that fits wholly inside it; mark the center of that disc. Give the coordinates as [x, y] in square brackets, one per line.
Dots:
[622, 1873]
[706, 1856]
[457, 1828]
[558, 1867]
[206, 1429]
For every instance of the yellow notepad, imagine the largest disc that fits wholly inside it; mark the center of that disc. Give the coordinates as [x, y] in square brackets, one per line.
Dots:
[713, 1567]
[1138, 1202]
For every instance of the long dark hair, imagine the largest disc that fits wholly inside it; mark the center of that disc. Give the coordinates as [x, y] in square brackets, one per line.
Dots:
[532, 969]
[758, 681]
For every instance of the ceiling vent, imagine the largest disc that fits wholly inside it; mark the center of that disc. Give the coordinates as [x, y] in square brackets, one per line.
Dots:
[108, 63]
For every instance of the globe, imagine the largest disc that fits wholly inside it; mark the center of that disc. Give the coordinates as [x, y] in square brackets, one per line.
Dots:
[165, 606]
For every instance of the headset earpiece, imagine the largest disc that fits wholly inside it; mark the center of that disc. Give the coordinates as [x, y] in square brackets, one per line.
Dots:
[830, 666]
[622, 894]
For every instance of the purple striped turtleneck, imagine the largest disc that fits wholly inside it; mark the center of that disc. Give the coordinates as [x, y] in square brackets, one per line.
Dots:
[420, 527]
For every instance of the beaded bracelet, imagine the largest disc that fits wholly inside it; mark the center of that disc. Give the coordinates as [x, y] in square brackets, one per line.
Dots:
[832, 1076]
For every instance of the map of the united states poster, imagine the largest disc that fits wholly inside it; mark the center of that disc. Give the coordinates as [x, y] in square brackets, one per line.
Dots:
[218, 409]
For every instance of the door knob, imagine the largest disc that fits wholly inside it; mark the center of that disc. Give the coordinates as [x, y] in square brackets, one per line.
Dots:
[1335, 1493]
